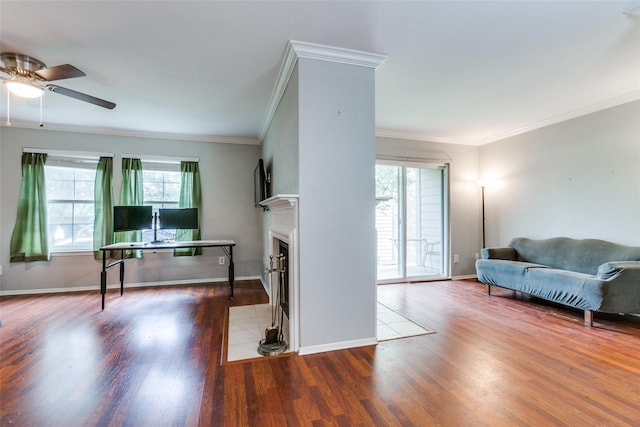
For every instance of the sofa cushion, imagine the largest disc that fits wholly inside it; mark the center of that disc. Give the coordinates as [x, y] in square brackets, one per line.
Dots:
[503, 272]
[499, 253]
[584, 256]
[583, 291]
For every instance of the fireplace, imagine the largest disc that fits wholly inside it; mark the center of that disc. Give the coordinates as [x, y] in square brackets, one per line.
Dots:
[282, 223]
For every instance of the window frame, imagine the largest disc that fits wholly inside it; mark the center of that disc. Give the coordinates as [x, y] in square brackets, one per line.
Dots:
[78, 161]
[444, 214]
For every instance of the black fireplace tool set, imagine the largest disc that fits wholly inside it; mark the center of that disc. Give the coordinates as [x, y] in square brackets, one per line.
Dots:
[273, 342]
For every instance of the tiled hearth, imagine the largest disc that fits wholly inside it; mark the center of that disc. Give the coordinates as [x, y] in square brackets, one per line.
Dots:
[247, 327]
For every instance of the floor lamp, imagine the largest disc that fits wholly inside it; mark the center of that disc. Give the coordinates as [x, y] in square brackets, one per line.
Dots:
[483, 217]
[482, 186]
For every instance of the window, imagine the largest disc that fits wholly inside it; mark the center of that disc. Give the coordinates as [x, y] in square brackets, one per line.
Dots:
[161, 189]
[70, 183]
[70, 209]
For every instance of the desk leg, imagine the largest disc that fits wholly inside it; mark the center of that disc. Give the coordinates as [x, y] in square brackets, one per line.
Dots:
[231, 272]
[122, 273]
[103, 277]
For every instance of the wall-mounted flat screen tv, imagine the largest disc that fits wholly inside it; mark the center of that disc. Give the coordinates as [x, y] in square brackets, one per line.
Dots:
[131, 218]
[174, 219]
[260, 183]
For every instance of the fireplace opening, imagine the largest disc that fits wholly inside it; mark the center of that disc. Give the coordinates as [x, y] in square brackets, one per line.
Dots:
[283, 249]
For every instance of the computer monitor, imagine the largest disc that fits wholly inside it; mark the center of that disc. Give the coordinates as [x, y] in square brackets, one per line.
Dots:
[174, 219]
[132, 218]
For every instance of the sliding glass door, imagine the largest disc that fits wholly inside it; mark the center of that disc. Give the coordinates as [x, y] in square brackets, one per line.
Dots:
[410, 222]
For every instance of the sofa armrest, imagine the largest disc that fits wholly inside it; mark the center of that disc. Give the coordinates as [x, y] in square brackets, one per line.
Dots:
[610, 270]
[622, 293]
[507, 253]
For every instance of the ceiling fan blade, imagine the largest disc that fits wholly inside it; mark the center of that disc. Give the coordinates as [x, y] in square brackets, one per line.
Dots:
[59, 72]
[81, 96]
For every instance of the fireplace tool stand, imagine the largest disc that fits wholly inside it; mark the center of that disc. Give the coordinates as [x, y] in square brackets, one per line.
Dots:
[274, 343]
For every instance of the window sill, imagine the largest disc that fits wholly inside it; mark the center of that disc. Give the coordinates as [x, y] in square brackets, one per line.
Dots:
[76, 252]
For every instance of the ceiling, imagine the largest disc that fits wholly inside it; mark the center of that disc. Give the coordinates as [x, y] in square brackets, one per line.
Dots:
[467, 72]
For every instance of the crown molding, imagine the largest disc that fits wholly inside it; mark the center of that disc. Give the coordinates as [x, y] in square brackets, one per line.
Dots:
[337, 54]
[413, 136]
[558, 118]
[284, 74]
[296, 49]
[308, 50]
[563, 117]
[137, 134]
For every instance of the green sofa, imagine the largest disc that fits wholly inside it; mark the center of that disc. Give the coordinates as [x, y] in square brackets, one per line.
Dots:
[590, 275]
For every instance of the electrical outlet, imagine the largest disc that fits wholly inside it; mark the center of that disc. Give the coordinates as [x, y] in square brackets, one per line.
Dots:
[0, 270]
[456, 258]
[221, 260]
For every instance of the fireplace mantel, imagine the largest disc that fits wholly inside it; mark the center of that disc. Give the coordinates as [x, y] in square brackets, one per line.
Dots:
[280, 201]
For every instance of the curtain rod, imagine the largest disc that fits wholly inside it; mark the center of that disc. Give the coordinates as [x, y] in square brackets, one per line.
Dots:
[159, 159]
[67, 153]
[439, 160]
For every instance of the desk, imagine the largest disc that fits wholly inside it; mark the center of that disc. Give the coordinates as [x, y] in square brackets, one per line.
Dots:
[225, 245]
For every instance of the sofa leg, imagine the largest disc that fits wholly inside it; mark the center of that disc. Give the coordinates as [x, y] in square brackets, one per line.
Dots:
[488, 289]
[588, 318]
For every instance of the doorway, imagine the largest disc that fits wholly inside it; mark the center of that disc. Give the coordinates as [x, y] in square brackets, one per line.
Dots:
[411, 222]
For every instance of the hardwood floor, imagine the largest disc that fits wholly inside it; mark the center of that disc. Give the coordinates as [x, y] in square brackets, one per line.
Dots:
[153, 358]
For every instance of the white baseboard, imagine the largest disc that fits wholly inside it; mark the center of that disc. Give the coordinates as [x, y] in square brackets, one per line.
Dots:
[126, 285]
[464, 277]
[312, 349]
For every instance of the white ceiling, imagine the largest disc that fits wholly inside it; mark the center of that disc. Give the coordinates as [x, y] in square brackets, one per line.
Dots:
[466, 72]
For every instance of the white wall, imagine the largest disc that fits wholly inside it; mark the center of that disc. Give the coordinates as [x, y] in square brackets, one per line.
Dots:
[337, 201]
[579, 178]
[2, 245]
[280, 145]
[228, 211]
[465, 216]
[280, 155]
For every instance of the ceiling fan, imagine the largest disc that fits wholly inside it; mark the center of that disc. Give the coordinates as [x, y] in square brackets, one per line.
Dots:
[28, 77]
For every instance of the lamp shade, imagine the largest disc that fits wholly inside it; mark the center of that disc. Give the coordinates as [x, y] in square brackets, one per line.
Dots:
[24, 88]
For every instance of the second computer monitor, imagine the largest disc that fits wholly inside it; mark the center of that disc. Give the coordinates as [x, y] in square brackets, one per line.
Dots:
[174, 219]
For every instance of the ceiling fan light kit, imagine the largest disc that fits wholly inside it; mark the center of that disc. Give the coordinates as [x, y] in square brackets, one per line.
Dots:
[23, 87]
[26, 73]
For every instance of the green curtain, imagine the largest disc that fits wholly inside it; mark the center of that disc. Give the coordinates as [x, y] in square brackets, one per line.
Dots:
[190, 197]
[30, 240]
[103, 206]
[131, 195]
